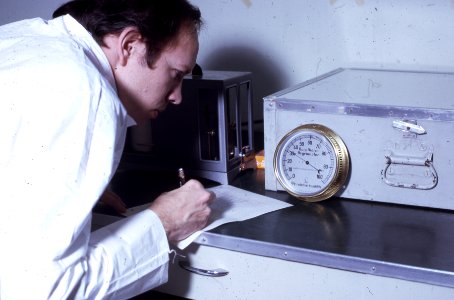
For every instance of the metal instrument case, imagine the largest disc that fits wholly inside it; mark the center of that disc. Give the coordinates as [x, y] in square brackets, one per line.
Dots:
[207, 134]
[398, 127]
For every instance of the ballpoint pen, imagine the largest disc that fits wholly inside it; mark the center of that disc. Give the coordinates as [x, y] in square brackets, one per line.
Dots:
[181, 176]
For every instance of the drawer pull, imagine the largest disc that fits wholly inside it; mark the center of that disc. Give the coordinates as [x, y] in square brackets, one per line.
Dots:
[211, 273]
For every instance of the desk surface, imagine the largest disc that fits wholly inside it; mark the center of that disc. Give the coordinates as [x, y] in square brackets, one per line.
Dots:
[389, 240]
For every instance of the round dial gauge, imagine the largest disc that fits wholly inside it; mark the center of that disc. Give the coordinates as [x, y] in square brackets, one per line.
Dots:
[311, 162]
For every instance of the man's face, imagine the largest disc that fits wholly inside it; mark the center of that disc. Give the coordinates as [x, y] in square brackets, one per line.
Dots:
[145, 91]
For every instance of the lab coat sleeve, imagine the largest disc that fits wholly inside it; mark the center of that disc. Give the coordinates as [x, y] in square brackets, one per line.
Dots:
[127, 257]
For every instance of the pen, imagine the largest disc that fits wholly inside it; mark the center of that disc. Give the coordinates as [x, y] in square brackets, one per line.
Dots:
[181, 176]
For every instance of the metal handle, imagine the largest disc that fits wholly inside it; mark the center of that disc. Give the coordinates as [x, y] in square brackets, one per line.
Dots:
[211, 273]
[408, 181]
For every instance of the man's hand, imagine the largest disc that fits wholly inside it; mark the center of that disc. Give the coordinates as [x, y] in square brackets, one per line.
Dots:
[113, 200]
[184, 210]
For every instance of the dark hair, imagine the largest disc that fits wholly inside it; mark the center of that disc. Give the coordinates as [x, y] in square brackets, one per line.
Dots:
[158, 21]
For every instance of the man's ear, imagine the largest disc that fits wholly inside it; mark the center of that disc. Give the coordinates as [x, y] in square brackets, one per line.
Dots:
[128, 41]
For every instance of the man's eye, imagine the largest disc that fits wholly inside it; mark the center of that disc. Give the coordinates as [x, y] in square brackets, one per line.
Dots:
[179, 75]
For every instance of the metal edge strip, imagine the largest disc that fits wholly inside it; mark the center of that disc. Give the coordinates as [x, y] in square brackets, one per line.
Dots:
[368, 110]
[327, 259]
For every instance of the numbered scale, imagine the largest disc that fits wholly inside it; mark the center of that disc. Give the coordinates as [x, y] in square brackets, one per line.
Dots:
[311, 162]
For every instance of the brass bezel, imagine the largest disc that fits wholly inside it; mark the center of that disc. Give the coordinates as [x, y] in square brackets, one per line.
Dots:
[342, 162]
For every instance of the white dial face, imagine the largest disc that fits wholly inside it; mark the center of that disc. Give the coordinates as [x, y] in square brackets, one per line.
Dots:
[306, 163]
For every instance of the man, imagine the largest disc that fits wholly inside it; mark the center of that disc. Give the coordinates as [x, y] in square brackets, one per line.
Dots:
[69, 88]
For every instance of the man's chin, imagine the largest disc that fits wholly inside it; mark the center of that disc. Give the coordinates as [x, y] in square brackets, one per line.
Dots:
[154, 114]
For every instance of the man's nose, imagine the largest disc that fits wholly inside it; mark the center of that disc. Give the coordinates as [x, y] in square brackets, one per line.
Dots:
[175, 97]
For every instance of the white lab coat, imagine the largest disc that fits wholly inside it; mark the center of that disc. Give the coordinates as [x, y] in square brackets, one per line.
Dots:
[62, 131]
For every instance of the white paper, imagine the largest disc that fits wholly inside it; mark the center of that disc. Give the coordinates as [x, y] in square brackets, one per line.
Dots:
[232, 204]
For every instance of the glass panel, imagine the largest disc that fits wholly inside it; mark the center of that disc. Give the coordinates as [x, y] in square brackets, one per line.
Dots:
[208, 124]
[232, 121]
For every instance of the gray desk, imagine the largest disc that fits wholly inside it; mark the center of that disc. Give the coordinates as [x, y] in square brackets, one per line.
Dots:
[390, 240]
[394, 241]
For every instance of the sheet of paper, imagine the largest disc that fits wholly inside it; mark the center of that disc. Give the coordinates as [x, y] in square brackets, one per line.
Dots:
[232, 204]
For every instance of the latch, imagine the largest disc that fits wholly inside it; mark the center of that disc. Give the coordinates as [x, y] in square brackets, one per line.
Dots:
[409, 162]
[410, 126]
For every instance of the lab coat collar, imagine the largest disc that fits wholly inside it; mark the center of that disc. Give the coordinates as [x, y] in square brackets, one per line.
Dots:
[78, 32]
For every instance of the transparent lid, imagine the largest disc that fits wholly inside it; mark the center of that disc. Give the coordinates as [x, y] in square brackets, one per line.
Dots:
[379, 87]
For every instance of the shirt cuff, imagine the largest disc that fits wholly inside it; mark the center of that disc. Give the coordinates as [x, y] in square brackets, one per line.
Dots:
[138, 253]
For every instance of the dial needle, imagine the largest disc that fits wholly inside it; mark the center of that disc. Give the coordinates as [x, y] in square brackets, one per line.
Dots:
[308, 163]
